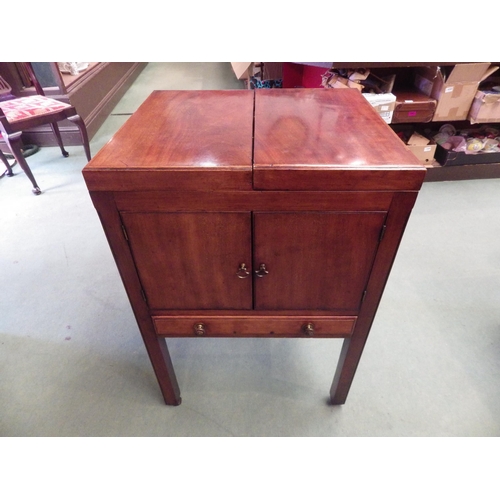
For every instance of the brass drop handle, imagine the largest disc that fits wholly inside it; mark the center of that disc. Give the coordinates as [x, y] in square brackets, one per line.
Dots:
[242, 271]
[262, 271]
[199, 329]
[308, 329]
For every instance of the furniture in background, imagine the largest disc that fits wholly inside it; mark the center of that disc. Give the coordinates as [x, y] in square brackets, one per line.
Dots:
[254, 214]
[94, 92]
[18, 114]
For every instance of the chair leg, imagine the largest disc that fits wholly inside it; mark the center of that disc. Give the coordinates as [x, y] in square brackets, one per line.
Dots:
[55, 129]
[14, 143]
[7, 164]
[77, 120]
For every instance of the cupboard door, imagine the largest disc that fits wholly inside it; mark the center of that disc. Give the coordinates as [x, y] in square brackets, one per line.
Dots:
[191, 260]
[314, 260]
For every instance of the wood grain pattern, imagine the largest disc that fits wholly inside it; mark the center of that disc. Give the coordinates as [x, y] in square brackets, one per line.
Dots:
[323, 204]
[251, 200]
[254, 326]
[318, 139]
[172, 180]
[190, 260]
[337, 179]
[156, 347]
[179, 128]
[352, 349]
[316, 260]
[324, 128]
[314, 139]
[178, 132]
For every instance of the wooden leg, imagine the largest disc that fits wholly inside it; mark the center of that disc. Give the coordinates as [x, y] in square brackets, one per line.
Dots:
[83, 132]
[163, 368]
[346, 368]
[55, 129]
[14, 143]
[7, 164]
[352, 348]
[155, 346]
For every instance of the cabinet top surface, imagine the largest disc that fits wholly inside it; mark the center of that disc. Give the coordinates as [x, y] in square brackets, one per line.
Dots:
[183, 129]
[319, 127]
[263, 139]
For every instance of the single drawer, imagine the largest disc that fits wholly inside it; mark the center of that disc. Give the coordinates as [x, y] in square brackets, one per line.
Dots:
[254, 326]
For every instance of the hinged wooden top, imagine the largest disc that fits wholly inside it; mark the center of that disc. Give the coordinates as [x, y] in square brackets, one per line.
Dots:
[180, 140]
[324, 139]
[305, 139]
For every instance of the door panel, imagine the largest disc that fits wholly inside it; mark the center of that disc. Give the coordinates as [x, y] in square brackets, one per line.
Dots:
[315, 260]
[190, 260]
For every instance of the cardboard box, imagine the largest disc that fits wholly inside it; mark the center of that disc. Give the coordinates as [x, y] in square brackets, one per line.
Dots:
[338, 82]
[413, 107]
[383, 103]
[422, 147]
[453, 90]
[485, 107]
[242, 70]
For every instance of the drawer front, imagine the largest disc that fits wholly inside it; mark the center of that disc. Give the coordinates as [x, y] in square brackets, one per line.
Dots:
[254, 326]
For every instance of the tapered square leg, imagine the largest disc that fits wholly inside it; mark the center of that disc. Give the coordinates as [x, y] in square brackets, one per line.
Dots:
[350, 356]
[163, 368]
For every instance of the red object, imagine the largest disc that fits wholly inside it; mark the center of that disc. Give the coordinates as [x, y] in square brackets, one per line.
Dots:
[302, 75]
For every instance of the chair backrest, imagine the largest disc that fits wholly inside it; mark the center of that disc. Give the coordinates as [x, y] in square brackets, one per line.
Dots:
[5, 90]
[27, 70]
[34, 80]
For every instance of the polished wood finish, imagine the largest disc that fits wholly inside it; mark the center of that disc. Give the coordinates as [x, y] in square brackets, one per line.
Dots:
[155, 346]
[352, 347]
[286, 226]
[191, 259]
[291, 152]
[254, 326]
[316, 260]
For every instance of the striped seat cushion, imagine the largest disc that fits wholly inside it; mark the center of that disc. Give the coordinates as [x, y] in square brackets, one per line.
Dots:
[23, 108]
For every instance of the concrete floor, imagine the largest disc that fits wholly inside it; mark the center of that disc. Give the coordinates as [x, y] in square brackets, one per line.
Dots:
[72, 362]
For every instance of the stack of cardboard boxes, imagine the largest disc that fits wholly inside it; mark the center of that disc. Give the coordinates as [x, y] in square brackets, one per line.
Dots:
[453, 90]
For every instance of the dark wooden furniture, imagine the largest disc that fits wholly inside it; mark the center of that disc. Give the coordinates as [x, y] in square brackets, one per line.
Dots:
[254, 213]
[23, 113]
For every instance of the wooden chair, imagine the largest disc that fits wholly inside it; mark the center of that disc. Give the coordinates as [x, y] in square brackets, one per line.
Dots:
[22, 113]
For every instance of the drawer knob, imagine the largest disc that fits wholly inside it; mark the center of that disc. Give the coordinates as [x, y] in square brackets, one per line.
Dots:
[308, 329]
[199, 329]
[242, 271]
[262, 271]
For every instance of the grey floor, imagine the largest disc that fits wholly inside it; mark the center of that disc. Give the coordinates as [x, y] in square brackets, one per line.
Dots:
[72, 362]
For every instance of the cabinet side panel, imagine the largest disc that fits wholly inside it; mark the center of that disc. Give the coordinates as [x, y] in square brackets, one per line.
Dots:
[156, 347]
[352, 349]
